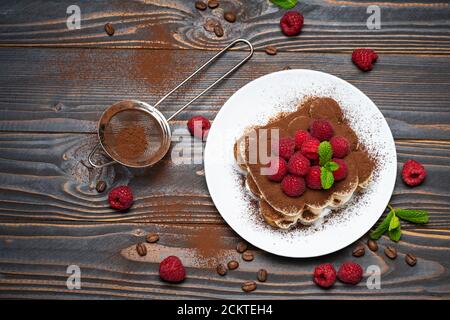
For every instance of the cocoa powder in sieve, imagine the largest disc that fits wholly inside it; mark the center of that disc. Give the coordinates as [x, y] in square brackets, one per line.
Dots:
[130, 142]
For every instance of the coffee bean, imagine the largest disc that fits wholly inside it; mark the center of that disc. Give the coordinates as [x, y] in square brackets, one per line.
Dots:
[390, 252]
[247, 256]
[359, 251]
[218, 30]
[229, 16]
[141, 249]
[200, 5]
[241, 247]
[109, 29]
[249, 286]
[221, 269]
[233, 264]
[262, 275]
[101, 186]
[271, 50]
[213, 4]
[411, 259]
[152, 238]
[210, 24]
[372, 244]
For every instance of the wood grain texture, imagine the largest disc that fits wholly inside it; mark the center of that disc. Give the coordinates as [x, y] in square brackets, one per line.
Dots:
[330, 25]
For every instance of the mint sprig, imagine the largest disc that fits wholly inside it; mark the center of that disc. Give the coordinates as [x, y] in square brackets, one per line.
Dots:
[327, 166]
[326, 178]
[325, 152]
[285, 4]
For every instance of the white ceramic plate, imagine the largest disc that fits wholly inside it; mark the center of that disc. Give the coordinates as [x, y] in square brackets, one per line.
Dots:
[255, 104]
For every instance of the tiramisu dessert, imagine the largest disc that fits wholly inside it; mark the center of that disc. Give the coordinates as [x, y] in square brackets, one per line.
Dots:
[302, 164]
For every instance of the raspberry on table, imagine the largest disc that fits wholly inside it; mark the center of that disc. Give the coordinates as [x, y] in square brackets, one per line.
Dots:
[286, 147]
[281, 169]
[171, 269]
[291, 23]
[300, 137]
[298, 164]
[340, 146]
[364, 58]
[324, 275]
[413, 173]
[199, 126]
[293, 186]
[310, 148]
[350, 272]
[120, 198]
[321, 129]
[313, 178]
[342, 171]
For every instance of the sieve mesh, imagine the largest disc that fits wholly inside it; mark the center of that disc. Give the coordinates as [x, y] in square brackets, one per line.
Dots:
[133, 137]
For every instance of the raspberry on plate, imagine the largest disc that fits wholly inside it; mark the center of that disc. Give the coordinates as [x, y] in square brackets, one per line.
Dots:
[313, 178]
[364, 58]
[340, 146]
[199, 126]
[341, 172]
[281, 169]
[413, 173]
[298, 164]
[171, 269]
[310, 148]
[350, 272]
[120, 198]
[321, 129]
[293, 186]
[324, 275]
[300, 137]
[286, 147]
[291, 23]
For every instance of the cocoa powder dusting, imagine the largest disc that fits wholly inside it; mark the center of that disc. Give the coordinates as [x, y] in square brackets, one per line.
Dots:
[208, 245]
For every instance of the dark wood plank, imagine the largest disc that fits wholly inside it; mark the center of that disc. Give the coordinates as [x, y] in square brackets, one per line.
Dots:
[34, 258]
[65, 90]
[331, 26]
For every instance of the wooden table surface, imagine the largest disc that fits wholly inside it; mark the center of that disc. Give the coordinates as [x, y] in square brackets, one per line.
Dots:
[55, 82]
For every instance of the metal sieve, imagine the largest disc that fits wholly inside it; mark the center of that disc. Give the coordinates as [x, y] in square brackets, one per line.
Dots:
[146, 124]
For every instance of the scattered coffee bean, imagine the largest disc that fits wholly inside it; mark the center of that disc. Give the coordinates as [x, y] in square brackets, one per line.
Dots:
[372, 244]
[229, 16]
[141, 249]
[152, 238]
[390, 252]
[411, 259]
[210, 24]
[213, 4]
[247, 256]
[262, 275]
[241, 247]
[109, 29]
[221, 269]
[233, 264]
[101, 186]
[218, 30]
[271, 50]
[359, 251]
[249, 286]
[200, 5]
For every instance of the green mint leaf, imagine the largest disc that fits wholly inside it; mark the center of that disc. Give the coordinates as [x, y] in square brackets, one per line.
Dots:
[285, 4]
[326, 178]
[332, 166]
[382, 227]
[395, 234]
[325, 152]
[394, 223]
[415, 216]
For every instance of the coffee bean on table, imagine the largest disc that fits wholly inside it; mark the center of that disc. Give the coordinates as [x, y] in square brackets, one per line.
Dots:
[411, 259]
[229, 16]
[359, 251]
[271, 50]
[241, 247]
[262, 275]
[390, 252]
[210, 24]
[101, 186]
[152, 238]
[372, 244]
[200, 5]
[218, 30]
[233, 264]
[109, 29]
[221, 269]
[141, 249]
[247, 256]
[249, 286]
[213, 4]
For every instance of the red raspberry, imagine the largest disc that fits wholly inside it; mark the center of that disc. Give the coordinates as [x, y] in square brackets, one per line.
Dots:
[341, 173]
[300, 137]
[298, 164]
[120, 198]
[281, 170]
[350, 272]
[340, 146]
[321, 129]
[313, 178]
[310, 148]
[324, 275]
[293, 186]
[363, 58]
[291, 23]
[286, 147]
[413, 173]
[171, 269]
[199, 126]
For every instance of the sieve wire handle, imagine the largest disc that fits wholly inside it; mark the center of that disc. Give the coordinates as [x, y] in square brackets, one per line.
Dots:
[96, 165]
[232, 44]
